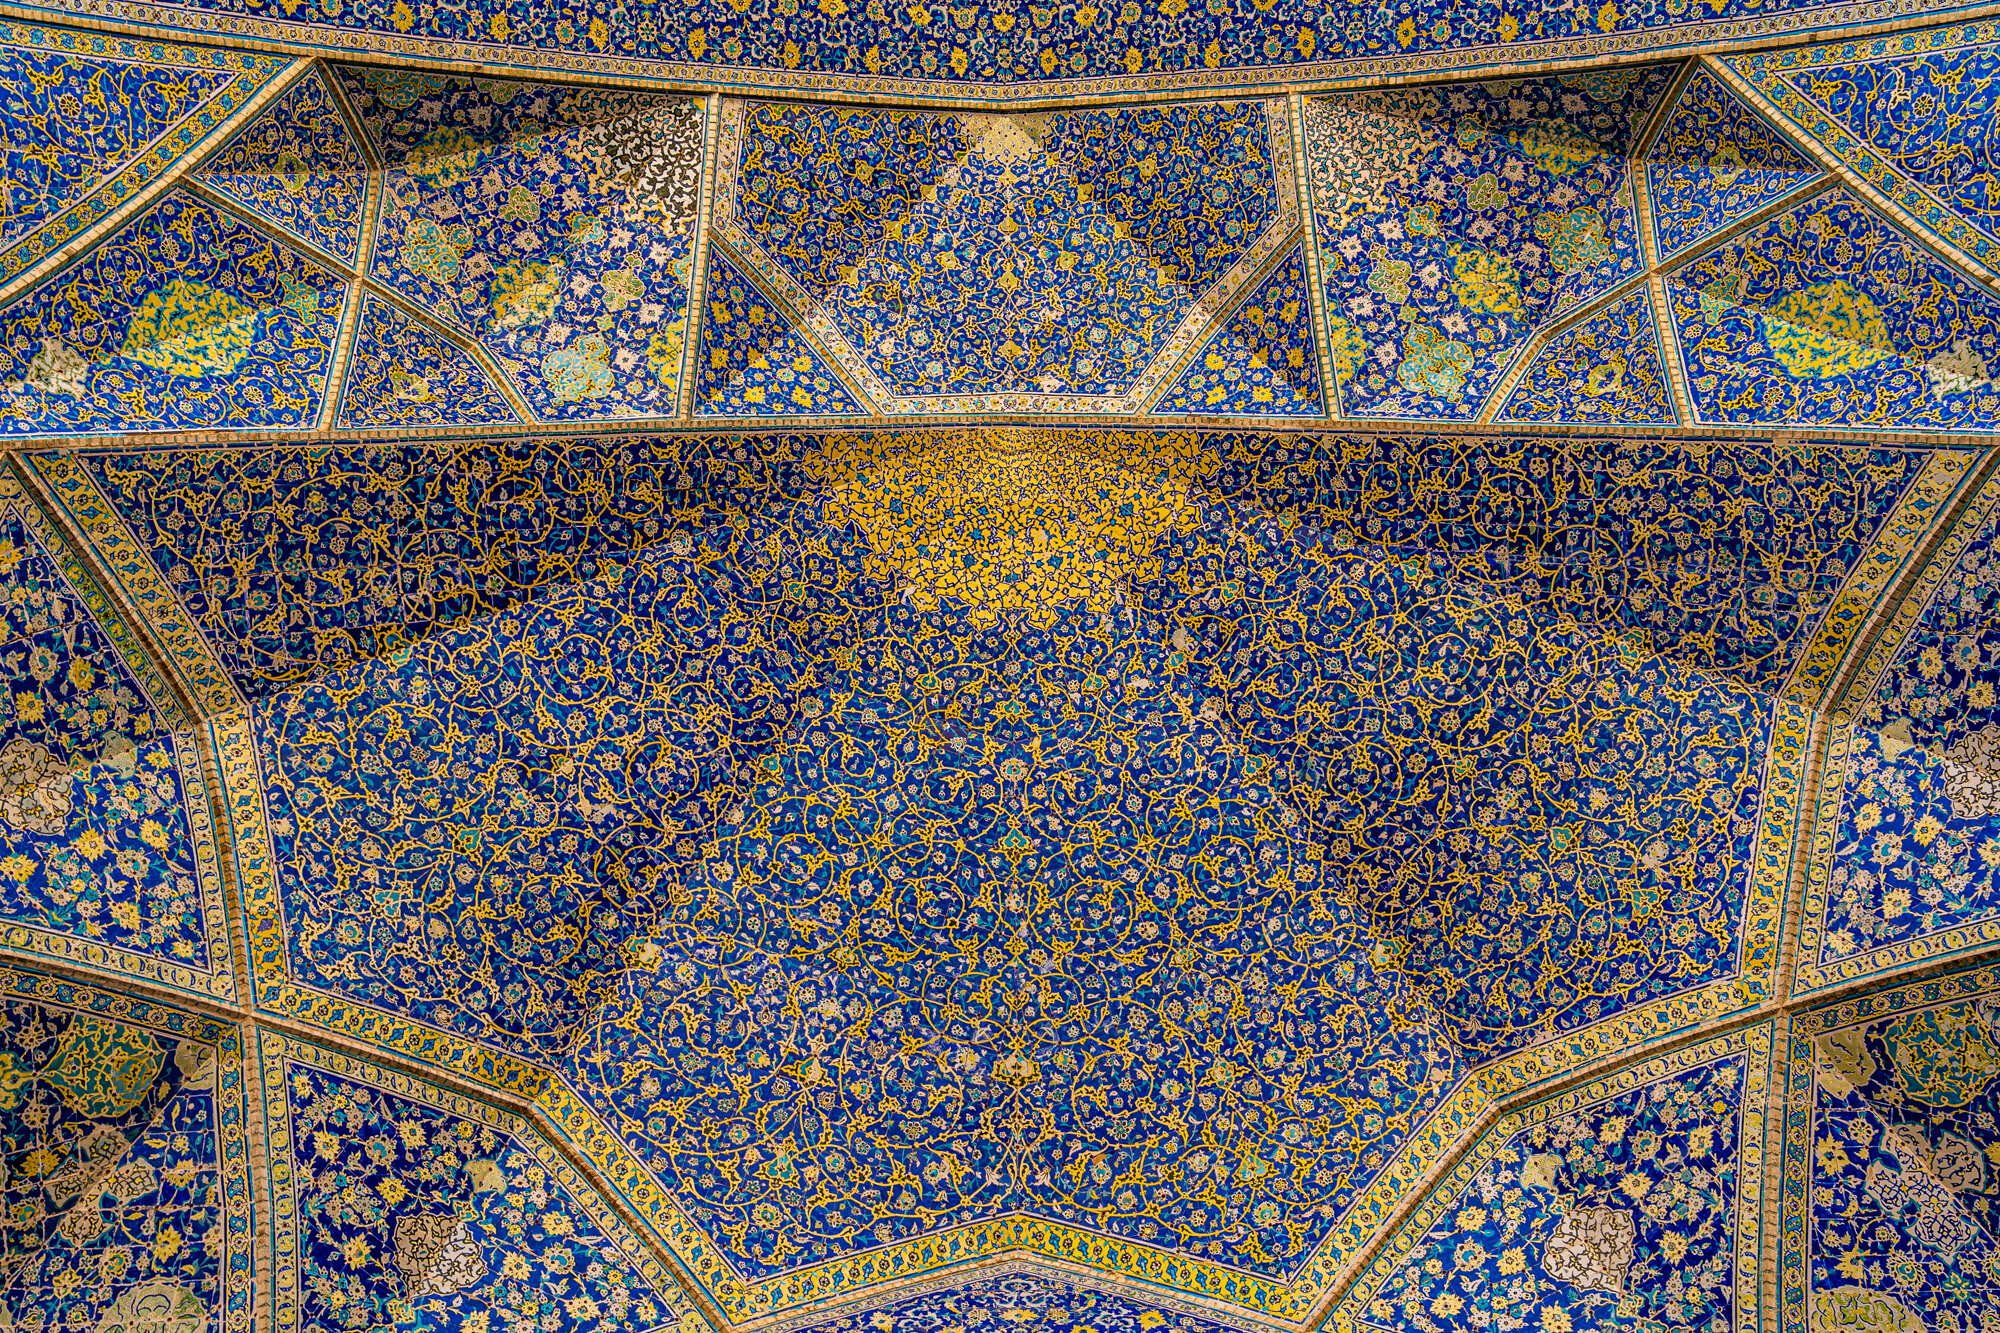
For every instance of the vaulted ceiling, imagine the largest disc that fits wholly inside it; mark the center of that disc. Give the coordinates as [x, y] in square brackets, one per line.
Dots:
[848, 669]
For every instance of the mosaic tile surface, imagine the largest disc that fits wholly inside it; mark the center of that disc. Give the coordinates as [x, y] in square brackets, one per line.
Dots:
[1620, 1212]
[1916, 854]
[403, 373]
[474, 929]
[553, 224]
[1001, 45]
[753, 361]
[1452, 221]
[1911, 113]
[1109, 810]
[185, 319]
[400, 1201]
[348, 552]
[1886, 1164]
[1828, 316]
[1031, 1301]
[298, 166]
[84, 110]
[98, 845]
[1264, 360]
[1723, 560]
[1605, 370]
[1715, 162]
[127, 1187]
[963, 257]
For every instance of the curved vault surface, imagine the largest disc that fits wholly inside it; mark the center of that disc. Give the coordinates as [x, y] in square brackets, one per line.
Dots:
[1170, 855]
[1232, 867]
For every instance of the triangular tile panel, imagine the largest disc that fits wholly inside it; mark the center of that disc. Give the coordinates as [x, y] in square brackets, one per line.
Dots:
[1716, 162]
[185, 320]
[298, 167]
[406, 374]
[1916, 115]
[84, 109]
[753, 363]
[1263, 361]
[1826, 316]
[1606, 370]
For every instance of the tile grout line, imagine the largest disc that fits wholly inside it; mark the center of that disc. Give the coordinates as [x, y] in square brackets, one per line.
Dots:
[1330, 389]
[1951, 256]
[697, 307]
[142, 199]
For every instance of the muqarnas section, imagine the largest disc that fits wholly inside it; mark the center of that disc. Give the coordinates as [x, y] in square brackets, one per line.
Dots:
[1914, 118]
[299, 167]
[1453, 221]
[466, 1216]
[1916, 852]
[1623, 1209]
[1604, 370]
[754, 361]
[964, 255]
[553, 224]
[102, 835]
[1827, 315]
[1264, 360]
[79, 116]
[1715, 162]
[1897, 1185]
[184, 320]
[144, 1241]
[404, 373]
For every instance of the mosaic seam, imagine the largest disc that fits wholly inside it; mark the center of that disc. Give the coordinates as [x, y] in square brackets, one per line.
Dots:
[1329, 385]
[1761, 75]
[103, 226]
[1217, 322]
[169, 151]
[769, 279]
[264, 227]
[264, 934]
[319, 39]
[1843, 740]
[1441, 1193]
[711, 134]
[503, 383]
[1945, 234]
[1894, 543]
[188, 655]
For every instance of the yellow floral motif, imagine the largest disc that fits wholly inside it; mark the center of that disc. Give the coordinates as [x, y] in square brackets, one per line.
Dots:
[445, 157]
[104, 1068]
[1012, 520]
[1555, 147]
[1859, 1310]
[1483, 281]
[524, 292]
[1348, 347]
[1825, 330]
[191, 329]
[434, 251]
